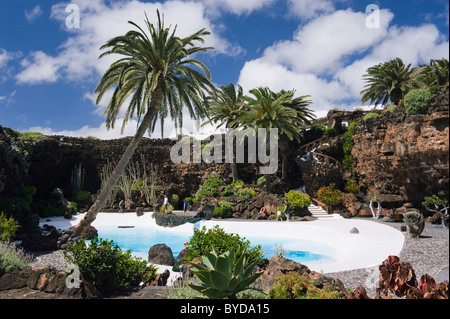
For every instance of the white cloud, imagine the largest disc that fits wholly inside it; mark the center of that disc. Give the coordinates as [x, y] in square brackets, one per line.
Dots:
[32, 15]
[78, 57]
[307, 9]
[319, 60]
[39, 68]
[238, 7]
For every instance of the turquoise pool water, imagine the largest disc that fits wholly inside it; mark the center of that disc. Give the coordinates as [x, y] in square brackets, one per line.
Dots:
[140, 239]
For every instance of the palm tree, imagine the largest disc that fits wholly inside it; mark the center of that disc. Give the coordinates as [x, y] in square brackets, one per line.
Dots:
[304, 115]
[225, 106]
[387, 81]
[268, 110]
[434, 74]
[156, 71]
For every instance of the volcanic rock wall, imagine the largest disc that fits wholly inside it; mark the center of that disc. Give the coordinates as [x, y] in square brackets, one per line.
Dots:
[404, 158]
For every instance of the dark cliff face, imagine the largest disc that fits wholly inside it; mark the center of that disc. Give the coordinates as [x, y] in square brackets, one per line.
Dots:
[404, 159]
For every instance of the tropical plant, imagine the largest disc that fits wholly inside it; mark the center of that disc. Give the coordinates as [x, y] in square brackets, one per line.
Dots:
[245, 193]
[295, 286]
[297, 200]
[268, 110]
[209, 188]
[437, 205]
[12, 258]
[223, 210]
[205, 240]
[221, 277]
[416, 101]
[387, 81]
[225, 106]
[157, 72]
[351, 186]
[347, 147]
[372, 115]
[8, 228]
[329, 195]
[434, 74]
[104, 264]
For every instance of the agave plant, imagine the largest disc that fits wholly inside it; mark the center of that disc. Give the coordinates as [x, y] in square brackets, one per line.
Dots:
[220, 278]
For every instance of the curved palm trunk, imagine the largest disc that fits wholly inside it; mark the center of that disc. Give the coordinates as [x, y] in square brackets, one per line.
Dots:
[101, 200]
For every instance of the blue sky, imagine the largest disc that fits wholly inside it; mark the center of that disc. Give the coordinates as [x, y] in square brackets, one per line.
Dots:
[48, 71]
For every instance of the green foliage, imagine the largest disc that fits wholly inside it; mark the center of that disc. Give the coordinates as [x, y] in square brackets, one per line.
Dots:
[434, 203]
[245, 193]
[105, 264]
[227, 191]
[237, 185]
[170, 209]
[297, 199]
[210, 188]
[223, 210]
[295, 286]
[205, 240]
[372, 115]
[50, 210]
[390, 109]
[416, 101]
[330, 131]
[174, 199]
[190, 200]
[348, 147]
[12, 258]
[261, 180]
[31, 136]
[8, 228]
[329, 195]
[222, 277]
[351, 186]
[80, 195]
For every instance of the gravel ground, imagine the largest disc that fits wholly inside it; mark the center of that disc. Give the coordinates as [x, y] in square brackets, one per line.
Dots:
[427, 254]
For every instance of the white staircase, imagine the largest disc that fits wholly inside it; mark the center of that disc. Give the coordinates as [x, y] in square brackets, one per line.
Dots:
[319, 213]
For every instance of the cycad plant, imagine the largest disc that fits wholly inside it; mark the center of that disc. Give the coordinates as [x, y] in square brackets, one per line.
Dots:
[387, 81]
[158, 75]
[221, 278]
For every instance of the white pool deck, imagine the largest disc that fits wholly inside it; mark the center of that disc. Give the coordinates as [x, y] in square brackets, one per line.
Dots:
[368, 248]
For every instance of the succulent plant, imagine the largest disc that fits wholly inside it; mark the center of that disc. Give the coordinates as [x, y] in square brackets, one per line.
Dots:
[220, 278]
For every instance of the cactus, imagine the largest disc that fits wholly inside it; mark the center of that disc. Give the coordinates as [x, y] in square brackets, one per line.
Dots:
[220, 278]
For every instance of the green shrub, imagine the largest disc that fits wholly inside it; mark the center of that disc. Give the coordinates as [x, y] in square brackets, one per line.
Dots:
[205, 240]
[352, 187]
[170, 209]
[12, 258]
[189, 200]
[416, 101]
[79, 195]
[223, 210]
[297, 199]
[227, 191]
[245, 193]
[330, 131]
[8, 228]
[261, 180]
[348, 147]
[390, 109]
[372, 115]
[329, 195]
[50, 210]
[210, 188]
[295, 286]
[31, 136]
[105, 264]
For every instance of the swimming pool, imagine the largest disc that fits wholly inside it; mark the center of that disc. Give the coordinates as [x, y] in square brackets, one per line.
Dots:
[322, 245]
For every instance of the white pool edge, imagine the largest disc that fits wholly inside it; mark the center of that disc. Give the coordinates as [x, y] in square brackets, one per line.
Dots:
[368, 248]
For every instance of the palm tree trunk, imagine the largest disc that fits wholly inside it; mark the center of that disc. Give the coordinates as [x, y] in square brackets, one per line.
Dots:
[101, 200]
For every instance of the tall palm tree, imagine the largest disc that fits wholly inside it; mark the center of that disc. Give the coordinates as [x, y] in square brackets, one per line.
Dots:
[157, 72]
[387, 81]
[268, 110]
[304, 116]
[225, 106]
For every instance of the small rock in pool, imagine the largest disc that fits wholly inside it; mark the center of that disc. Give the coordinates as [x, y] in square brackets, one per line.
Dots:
[354, 230]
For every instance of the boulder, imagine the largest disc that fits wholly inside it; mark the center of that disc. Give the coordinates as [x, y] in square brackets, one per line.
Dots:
[161, 254]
